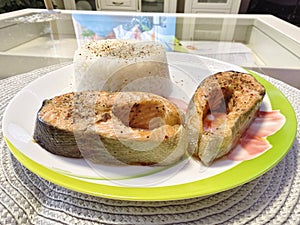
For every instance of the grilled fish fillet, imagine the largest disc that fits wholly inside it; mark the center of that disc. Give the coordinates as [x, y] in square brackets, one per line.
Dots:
[134, 128]
[222, 108]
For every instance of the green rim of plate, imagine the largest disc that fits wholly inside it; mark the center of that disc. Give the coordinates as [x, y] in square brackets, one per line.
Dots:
[244, 172]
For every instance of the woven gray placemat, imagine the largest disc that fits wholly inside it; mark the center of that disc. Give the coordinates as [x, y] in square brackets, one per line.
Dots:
[25, 198]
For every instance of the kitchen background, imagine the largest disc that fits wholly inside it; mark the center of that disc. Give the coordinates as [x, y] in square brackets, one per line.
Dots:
[269, 46]
[289, 10]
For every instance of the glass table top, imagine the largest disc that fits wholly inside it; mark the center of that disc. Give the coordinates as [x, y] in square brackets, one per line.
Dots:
[36, 38]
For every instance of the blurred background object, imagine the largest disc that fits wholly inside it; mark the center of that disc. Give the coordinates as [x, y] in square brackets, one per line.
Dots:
[13, 5]
[83, 5]
[288, 10]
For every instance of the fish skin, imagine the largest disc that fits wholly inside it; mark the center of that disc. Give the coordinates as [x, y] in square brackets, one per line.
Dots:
[239, 96]
[112, 128]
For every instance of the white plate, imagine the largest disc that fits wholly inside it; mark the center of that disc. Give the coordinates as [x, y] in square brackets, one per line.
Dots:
[18, 125]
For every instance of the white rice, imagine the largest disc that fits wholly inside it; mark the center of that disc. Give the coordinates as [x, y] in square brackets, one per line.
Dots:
[118, 65]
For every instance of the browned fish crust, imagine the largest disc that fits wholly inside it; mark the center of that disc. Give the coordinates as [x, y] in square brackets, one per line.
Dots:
[135, 128]
[236, 97]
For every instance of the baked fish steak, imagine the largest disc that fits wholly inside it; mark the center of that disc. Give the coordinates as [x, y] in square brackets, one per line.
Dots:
[221, 109]
[113, 128]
